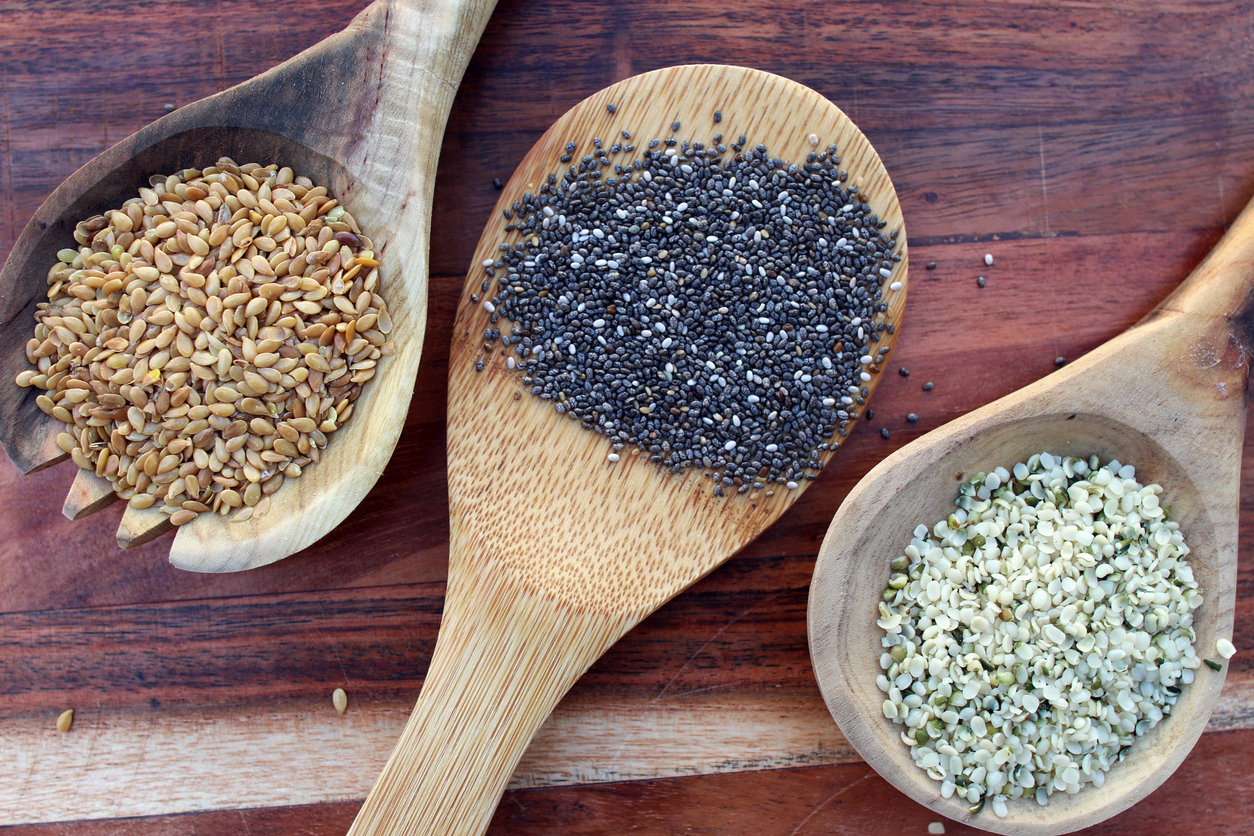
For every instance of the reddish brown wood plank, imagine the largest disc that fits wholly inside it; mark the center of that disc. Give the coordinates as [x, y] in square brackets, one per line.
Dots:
[1096, 150]
[1075, 134]
[719, 680]
[1044, 298]
[1207, 794]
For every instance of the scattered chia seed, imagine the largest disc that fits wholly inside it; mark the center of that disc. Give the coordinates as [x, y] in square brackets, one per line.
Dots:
[912, 418]
[903, 371]
[870, 414]
[497, 184]
[884, 432]
[980, 281]
[718, 116]
[674, 126]
[1060, 361]
[927, 387]
[931, 265]
[710, 312]
[611, 108]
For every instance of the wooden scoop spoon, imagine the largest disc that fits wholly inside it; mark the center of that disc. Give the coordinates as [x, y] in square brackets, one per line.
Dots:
[362, 113]
[556, 553]
[1167, 396]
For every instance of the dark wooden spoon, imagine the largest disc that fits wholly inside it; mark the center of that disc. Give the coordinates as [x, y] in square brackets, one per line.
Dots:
[363, 113]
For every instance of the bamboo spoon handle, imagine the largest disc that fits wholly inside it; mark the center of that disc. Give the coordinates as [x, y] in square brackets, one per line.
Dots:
[1223, 284]
[504, 658]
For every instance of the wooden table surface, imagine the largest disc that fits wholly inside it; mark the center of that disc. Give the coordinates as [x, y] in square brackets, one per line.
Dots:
[1096, 150]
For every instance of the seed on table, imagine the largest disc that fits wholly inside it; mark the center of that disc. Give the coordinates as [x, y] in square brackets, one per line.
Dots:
[1060, 361]
[903, 371]
[912, 418]
[936, 828]
[65, 720]
[929, 386]
[980, 281]
[931, 265]
[497, 184]
[339, 699]
[884, 432]
[988, 259]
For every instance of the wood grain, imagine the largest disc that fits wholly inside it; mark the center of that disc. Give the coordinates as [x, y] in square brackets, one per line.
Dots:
[793, 802]
[1097, 150]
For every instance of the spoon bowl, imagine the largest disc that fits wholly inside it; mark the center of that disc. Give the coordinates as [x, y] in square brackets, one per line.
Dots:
[362, 113]
[555, 551]
[1167, 396]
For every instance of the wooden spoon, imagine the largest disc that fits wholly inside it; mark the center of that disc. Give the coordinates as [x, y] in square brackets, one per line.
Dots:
[363, 113]
[555, 553]
[1167, 396]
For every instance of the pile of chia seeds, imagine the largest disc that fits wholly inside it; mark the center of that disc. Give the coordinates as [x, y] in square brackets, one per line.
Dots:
[716, 310]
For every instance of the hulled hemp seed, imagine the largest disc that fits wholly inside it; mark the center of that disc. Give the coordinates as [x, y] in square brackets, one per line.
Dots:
[715, 310]
[1036, 632]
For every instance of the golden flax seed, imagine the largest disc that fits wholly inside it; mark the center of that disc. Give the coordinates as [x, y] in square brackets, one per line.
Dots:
[204, 338]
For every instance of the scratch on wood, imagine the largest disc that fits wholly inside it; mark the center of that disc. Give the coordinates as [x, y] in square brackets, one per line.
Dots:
[707, 643]
[1040, 136]
[827, 801]
[9, 235]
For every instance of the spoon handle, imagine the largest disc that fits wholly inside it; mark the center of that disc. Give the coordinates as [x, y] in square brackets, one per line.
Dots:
[504, 658]
[1223, 284]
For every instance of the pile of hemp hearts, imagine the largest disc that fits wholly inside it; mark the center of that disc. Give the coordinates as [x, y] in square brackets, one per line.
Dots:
[713, 309]
[205, 339]
[1036, 632]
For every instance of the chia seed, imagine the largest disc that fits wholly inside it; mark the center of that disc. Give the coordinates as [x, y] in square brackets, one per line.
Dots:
[497, 184]
[912, 418]
[927, 387]
[884, 432]
[1060, 361]
[980, 281]
[711, 312]
[903, 371]
[931, 265]
[610, 108]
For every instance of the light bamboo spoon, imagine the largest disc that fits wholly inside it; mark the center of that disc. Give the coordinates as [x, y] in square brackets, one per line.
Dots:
[363, 113]
[1168, 396]
[555, 553]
